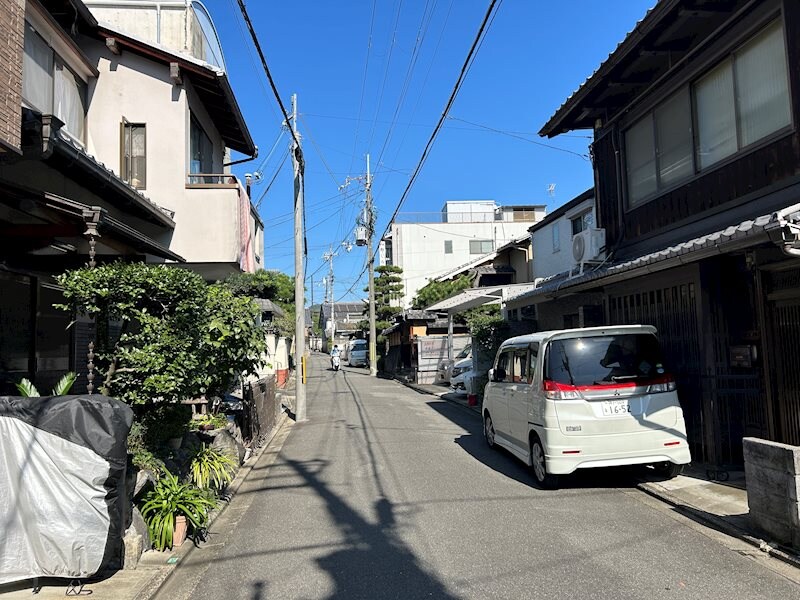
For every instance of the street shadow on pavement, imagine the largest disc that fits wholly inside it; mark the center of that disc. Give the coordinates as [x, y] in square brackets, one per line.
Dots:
[375, 559]
[506, 463]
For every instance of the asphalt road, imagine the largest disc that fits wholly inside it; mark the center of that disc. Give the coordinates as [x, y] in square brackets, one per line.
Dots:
[388, 493]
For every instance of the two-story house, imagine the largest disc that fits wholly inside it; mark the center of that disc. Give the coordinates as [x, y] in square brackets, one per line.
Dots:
[112, 148]
[427, 245]
[697, 164]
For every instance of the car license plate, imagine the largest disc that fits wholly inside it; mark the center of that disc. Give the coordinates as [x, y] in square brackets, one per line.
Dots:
[616, 407]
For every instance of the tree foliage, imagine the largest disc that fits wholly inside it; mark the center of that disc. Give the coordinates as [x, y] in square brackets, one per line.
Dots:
[434, 291]
[178, 337]
[268, 285]
[388, 289]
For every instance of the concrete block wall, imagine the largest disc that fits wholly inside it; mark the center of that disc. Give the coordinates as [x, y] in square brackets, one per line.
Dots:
[773, 489]
[12, 39]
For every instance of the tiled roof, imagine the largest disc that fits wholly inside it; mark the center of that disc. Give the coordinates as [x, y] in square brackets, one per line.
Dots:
[689, 251]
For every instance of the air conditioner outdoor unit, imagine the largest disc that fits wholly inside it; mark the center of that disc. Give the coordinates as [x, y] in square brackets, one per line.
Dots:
[588, 247]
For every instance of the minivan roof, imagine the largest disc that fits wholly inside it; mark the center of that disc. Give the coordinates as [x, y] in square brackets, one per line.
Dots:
[560, 334]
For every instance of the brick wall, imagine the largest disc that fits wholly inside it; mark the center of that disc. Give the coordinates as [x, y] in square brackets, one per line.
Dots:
[12, 32]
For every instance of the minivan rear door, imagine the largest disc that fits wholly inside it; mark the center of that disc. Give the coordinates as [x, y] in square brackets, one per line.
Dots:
[609, 384]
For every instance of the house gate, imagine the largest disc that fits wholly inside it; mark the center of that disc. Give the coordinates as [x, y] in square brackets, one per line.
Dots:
[673, 310]
[783, 289]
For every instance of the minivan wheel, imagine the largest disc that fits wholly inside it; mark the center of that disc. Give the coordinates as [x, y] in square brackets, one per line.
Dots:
[668, 470]
[488, 431]
[539, 466]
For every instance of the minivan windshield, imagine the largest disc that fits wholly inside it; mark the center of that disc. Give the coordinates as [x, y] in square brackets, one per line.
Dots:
[604, 360]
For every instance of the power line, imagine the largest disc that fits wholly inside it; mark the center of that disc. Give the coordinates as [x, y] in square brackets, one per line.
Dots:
[274, 177]
[519, 137]
[298, 151]
[385, 73]
[456, 88]
[363, 83]
[489, 16]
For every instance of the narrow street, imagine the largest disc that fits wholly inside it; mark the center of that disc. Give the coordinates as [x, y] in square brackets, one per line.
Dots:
[388, 493]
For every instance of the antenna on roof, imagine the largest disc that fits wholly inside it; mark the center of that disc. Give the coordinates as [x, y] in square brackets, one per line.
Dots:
[551, 189]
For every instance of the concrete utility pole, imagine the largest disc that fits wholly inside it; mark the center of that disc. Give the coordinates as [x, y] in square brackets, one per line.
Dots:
[299, 275]
[373, 355]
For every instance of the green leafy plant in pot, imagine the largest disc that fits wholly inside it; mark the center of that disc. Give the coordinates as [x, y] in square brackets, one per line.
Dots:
[171, 507]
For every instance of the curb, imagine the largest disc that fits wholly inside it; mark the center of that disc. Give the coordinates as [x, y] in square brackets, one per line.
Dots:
[718, 523]
[151, 588]
[419, 389]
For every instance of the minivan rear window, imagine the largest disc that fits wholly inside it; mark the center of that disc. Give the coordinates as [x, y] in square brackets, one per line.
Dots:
[604, 360]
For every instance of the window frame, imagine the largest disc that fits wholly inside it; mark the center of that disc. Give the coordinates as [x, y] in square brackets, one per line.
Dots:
[124, 167]
[745, 39]
[448, 246]
[481, 242]
[556, 235]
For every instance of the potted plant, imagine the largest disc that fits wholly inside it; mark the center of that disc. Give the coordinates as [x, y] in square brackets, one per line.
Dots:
[170, 507]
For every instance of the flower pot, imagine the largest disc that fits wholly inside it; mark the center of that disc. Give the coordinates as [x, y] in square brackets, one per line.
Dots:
[175, 443]
[179, 533]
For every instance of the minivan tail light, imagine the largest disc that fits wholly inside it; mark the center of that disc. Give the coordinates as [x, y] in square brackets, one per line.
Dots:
[560, 391]
[661, 385]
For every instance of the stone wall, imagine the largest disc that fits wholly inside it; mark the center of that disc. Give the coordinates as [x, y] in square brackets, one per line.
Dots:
[12, 16]
[773, 489]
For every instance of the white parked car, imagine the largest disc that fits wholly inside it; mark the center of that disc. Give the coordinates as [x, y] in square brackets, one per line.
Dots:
[462, 370]
[444, 373]
[585, 398]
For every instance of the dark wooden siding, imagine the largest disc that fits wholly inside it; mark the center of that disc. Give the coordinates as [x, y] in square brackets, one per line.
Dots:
[607, 197]
[720, 188]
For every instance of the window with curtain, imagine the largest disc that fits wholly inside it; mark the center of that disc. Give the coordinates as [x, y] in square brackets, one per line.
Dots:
[201, 149]
[556, 237]
[581, 222]
[49, 87]
[70, 96]
[744, 99]
[640, 151]
[740, 101]
[762, 86]
[37, 72]
[134, 154]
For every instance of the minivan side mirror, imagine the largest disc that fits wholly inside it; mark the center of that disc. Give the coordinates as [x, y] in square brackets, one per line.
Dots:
[491, 374]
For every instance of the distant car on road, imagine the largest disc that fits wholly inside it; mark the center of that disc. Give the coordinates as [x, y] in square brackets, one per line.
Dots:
[444, 373]
[461, 374]
[358, 354]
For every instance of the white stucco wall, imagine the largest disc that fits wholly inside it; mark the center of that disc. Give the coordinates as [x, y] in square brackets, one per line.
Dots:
[419, 248]
[548, 261]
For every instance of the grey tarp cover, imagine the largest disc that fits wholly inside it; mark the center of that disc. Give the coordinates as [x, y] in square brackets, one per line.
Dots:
[62, 485]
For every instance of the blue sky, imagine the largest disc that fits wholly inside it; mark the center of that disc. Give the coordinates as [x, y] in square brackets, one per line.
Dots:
[535, 55]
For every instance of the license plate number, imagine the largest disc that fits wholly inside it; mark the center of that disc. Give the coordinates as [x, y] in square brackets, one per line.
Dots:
[616, 407]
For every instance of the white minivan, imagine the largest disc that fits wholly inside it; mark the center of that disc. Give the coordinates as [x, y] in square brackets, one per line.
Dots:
[583, 398]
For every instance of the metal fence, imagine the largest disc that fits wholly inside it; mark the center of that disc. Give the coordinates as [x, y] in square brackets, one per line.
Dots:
[261, 409]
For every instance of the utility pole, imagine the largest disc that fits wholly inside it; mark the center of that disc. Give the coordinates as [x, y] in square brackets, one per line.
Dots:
[299, 274]
[373, 355]
[329, 294]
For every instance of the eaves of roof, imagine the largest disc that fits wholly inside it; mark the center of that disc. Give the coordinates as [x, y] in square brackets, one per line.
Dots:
[555, 125]
[744, 235]
[210, 82]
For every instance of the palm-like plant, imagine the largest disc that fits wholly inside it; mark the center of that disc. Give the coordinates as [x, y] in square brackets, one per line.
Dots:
[171, 498]
[27, 389]
[210, 469]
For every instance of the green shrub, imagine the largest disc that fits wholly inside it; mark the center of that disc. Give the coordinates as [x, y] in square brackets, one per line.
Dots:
[210, 469]
[217, 421]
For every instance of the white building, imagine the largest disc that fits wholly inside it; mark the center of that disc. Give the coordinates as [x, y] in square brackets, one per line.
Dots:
[427, 245]
[164, 118]
[552, 238]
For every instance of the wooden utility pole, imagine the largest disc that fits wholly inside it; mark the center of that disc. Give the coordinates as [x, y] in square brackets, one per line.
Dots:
[299, 274]
[373, 359]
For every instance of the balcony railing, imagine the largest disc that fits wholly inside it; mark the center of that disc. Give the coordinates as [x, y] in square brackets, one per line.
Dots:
[517, 215]
[211, 180]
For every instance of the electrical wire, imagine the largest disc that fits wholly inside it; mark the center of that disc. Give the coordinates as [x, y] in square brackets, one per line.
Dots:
[519, 137]
[274, 177]
[385, 73]
[487, 19]
[363, 84]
